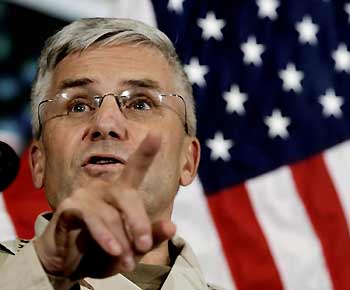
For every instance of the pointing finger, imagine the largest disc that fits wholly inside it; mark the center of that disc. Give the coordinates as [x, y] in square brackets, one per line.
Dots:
[139, 162]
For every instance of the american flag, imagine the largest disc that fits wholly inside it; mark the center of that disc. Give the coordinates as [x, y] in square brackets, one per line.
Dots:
[271, 78]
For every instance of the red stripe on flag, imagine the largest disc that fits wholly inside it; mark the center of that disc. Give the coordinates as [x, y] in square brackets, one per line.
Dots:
[23, 201]
[243, 241]
[324, 209]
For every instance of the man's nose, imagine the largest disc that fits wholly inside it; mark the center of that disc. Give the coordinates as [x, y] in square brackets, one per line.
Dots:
[108, 121]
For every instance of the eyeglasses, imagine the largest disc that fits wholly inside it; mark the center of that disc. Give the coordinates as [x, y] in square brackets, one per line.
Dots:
[140, 105]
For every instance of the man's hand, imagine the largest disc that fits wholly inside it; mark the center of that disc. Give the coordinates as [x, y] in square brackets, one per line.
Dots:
[100, 229]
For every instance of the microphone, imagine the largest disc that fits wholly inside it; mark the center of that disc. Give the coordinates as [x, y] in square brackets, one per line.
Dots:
[9, 165]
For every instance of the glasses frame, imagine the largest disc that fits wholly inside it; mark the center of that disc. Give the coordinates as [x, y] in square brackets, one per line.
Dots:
[116, 97]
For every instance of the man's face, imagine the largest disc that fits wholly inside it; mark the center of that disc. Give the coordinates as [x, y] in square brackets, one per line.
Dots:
[63, 158]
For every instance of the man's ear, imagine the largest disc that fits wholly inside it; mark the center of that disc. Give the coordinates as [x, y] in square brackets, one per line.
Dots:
[37, 163]
[190, 160]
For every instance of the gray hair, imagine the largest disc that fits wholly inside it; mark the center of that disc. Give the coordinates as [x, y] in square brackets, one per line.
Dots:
[81, 34]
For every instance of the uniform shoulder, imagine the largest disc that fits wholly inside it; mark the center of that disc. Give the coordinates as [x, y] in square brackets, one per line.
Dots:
[12, 247]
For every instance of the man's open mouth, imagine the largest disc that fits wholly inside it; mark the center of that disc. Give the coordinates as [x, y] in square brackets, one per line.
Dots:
[103, 160]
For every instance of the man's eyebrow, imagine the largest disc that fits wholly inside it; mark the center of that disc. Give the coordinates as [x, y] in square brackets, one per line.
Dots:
[142, 83]
[74, 83]
[82, 82]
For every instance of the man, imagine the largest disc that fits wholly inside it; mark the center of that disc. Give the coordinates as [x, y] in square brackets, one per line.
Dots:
[114, 138]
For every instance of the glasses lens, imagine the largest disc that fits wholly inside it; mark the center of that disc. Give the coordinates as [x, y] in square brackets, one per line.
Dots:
[141, 104]
[68, 104]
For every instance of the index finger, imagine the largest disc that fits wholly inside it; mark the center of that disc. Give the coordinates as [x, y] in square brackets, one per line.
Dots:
[139, 162]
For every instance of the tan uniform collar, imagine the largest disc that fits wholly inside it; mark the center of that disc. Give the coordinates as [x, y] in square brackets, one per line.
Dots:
[185, 274]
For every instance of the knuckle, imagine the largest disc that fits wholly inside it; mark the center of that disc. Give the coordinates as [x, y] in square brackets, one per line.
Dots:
[125, 199]
[113, 219]
[140, 227]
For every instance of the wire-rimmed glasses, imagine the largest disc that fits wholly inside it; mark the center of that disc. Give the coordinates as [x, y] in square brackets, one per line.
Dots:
[140, 104]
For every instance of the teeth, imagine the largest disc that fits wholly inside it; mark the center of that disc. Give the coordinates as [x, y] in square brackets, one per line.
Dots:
[105, 161]
[102, 160]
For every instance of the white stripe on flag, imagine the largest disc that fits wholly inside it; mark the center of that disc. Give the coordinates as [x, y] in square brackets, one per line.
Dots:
[7, 231]
[293, 243]
[337, 161]
[194, 223]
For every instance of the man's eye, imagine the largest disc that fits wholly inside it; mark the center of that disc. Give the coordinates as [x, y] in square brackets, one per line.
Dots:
[140, 104]
[79, 106]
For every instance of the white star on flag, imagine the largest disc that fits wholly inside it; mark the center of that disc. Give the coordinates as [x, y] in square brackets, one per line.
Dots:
[219, 147]
[341, 57]
[347, 9]
[176, 5]
[267, 8]
[235, 100]
[307, 30]
[291, 78]
[196, 72]
[252, 51]
[331, 104]
[277, 124]
[211, 26]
